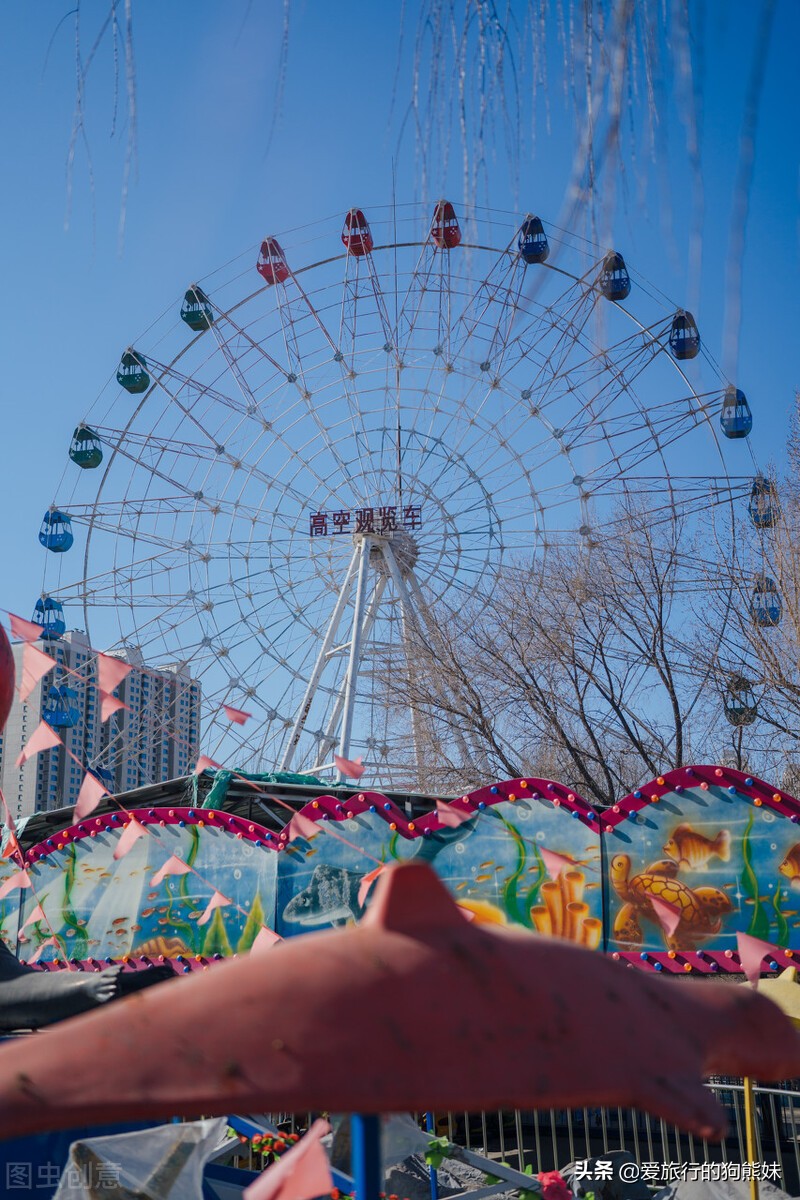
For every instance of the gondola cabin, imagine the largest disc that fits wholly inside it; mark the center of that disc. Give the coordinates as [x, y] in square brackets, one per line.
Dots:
[684, 337]
[196, 310]
[764, 506]
[765, 603]
[445, 229]
[132, 372]
[740, 702]
[61, 709]
[735, 418]
[49, 614]
[356, 234]
[86, 449]
[272, 265]
[614, 281]
[56, 531]
[532, 241]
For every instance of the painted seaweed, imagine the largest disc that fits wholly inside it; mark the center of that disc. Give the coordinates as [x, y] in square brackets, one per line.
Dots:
[216, 938]
[518, 912]
[759, 922]
[253, 924]
[79, 944]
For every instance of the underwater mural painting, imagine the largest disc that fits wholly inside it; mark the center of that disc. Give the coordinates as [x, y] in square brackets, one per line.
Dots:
[494, 861]
[98, 907]
[722, 848]
[717, 850]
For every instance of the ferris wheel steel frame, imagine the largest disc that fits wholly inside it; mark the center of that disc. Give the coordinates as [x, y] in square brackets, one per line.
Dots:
[515, 331]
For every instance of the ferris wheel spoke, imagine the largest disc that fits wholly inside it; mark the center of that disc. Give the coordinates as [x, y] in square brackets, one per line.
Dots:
[456, 408]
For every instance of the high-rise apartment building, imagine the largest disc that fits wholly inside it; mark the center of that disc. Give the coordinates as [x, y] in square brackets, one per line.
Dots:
[155, 738]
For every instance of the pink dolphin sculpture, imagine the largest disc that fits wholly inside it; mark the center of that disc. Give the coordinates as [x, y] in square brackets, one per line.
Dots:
[413, 1009]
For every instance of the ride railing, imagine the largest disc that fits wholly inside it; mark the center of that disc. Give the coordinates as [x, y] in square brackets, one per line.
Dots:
[550, 1139]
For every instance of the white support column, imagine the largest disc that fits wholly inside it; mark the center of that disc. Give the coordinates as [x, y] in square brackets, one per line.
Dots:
[407, 618]
[355, 649]
[329, 738]
[319, 665]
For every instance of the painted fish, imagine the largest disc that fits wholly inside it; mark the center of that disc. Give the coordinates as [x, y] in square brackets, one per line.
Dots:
[330, 897]
[152, 895]
[692, 849]
[482, 878]
[147, 912]
[483, 913]
[790, 867]
[169, 947]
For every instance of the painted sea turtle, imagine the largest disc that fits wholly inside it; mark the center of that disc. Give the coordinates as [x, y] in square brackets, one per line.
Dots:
[701, 909]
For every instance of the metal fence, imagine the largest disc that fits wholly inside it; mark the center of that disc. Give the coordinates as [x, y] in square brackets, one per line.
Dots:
[549, 1139]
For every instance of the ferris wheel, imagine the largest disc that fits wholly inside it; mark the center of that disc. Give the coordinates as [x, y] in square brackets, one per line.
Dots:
[354, 429]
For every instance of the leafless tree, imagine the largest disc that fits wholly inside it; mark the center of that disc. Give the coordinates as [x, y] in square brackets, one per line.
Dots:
[584, 671]
[754, 590]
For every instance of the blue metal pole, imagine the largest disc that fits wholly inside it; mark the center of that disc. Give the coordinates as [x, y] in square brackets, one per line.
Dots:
[431, 1128]
[365, 1152]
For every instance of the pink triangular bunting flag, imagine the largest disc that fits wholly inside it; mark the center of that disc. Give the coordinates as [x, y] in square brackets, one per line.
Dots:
[216, 901]
[90, 795]
[669, 915]
[236, 715]
[367, 882]
[300, 1174]
[26, 631]
[20, 879]
[111, 672]
[109, 705]
[265, 938]
[37, 914]
[51, 941]
[555, 863]
[752, 952]
[42, 738]
[450, 816]
[173, 866]
[35, 664]
[352, 768]
[130, 834]
[301, 826]
[205, 764]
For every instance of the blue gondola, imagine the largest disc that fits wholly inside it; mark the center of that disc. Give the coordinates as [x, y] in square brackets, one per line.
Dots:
[132, 372]
[532, 241]
[764, 507]
[614, 281]
[49, 613]
[765, 604]
[86, 449]
[735, 418]
[196, 309]
[56, 531]
[684, 337]
[61, 709]
[739, 701]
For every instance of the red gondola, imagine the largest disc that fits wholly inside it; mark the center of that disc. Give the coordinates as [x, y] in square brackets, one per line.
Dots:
[272, 264]
[445, 229]
[356, 234]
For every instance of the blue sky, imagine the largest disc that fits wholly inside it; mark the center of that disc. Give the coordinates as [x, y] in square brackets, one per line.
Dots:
[205, 189]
